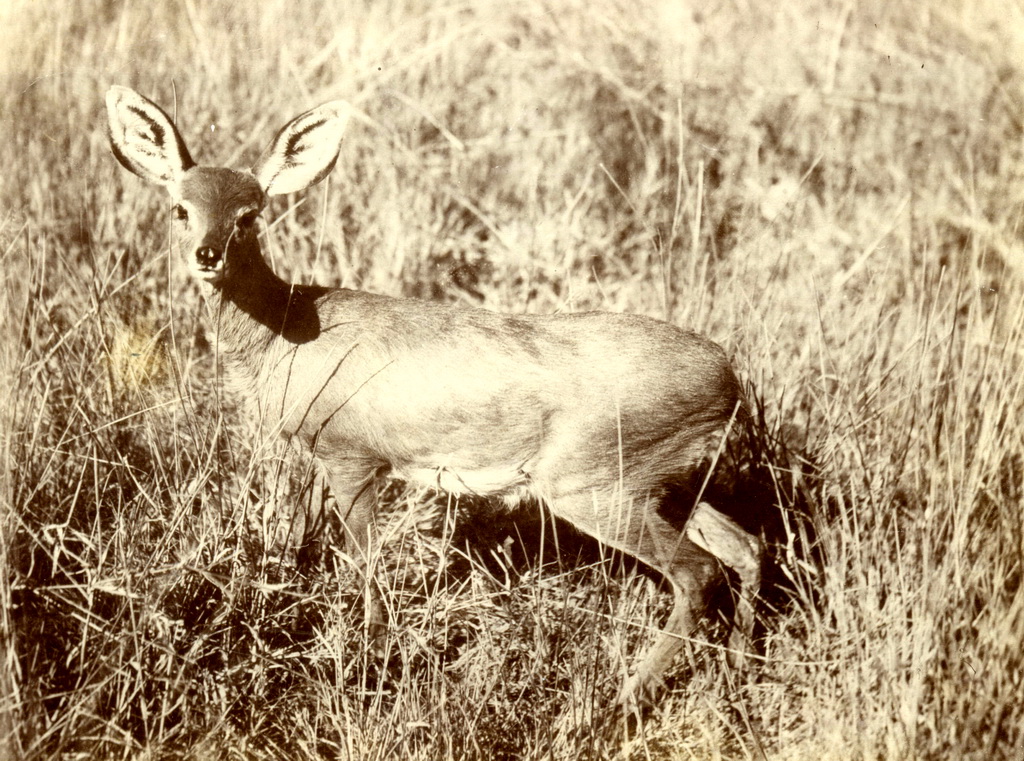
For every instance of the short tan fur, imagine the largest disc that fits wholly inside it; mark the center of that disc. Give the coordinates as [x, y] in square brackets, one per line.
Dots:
[595, 414]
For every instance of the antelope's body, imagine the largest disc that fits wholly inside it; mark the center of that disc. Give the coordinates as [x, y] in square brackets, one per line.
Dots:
[597, 415]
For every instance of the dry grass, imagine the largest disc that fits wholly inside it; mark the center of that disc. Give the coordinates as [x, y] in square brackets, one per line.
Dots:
[831, 191]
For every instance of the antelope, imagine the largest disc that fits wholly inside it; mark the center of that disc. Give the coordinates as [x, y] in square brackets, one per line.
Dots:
[594, 415]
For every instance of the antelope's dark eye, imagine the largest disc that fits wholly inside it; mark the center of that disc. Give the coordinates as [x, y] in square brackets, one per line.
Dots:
[180, 212]
[247, 220]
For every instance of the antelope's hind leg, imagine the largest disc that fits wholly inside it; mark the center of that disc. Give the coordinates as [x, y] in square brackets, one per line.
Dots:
[691, 572]
[635, 527]
[735, 548]
[693, 566]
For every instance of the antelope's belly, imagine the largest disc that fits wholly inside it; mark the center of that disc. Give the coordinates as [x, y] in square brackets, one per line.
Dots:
[508, 483]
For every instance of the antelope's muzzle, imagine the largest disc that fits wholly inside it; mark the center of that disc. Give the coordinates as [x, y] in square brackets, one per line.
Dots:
[208, 258]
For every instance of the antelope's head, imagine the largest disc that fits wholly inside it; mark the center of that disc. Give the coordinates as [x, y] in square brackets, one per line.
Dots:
[215, 209]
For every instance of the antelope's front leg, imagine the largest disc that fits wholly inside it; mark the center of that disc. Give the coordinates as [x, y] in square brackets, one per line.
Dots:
[357, 505]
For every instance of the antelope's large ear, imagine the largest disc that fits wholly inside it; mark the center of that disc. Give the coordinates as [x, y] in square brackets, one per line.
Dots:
[144, 139]
[304, 151]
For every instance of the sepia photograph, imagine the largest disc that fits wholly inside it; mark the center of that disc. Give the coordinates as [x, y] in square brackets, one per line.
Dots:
[482, 381]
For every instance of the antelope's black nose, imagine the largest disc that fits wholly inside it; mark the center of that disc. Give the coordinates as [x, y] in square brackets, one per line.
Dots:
[207, 257]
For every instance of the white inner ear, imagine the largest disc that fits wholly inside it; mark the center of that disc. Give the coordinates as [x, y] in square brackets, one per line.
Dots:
[145, 137]
[304, 151]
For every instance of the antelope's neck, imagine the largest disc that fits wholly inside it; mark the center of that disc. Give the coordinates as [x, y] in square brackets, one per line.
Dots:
[257, 315]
